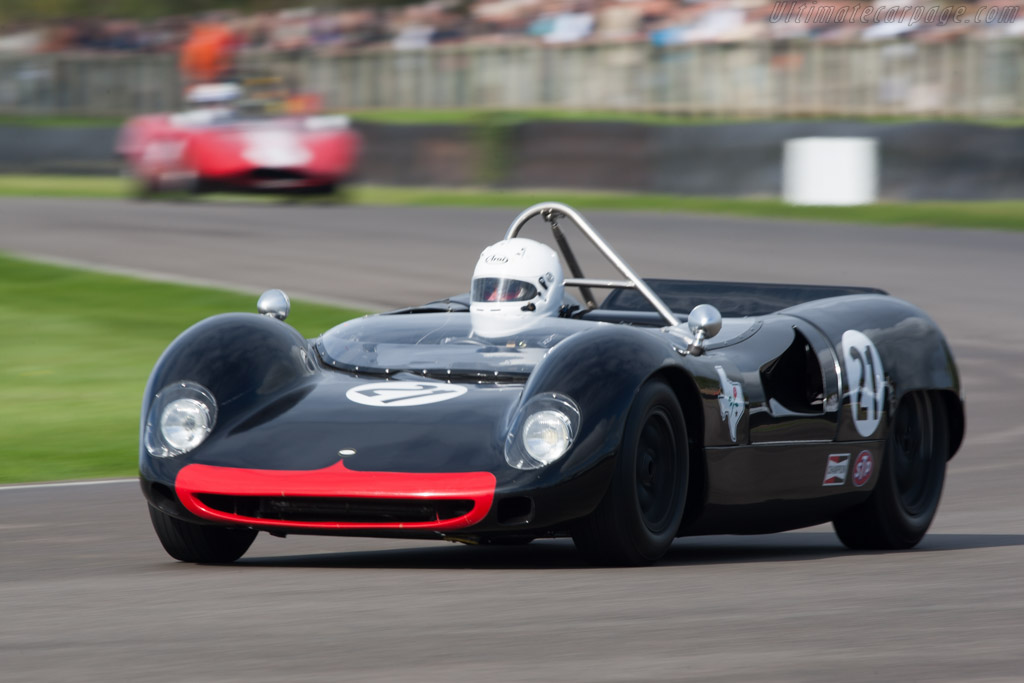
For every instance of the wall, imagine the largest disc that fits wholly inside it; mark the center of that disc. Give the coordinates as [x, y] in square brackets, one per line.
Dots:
[918, 160]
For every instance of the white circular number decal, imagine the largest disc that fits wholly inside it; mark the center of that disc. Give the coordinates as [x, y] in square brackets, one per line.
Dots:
[275, 149]
[866, 381]
[400, 394]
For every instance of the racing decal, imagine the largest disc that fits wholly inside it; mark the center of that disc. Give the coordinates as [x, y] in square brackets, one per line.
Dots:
[275, 149]
[402, 394]
[162, 152]
[836, 469]
[866, 381]
[862, 468]
[731, 403]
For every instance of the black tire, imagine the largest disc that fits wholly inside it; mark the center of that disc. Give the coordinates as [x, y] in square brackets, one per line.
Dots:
[140, 188]
[640, 514]
[903, 504]
[323, 190]
[198, 542]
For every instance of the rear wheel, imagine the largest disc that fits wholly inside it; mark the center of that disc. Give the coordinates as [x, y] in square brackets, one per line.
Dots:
[640, 514]
[199, 542]
[906, 497]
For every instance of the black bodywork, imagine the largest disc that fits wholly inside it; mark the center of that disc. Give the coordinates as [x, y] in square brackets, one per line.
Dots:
[768, 407]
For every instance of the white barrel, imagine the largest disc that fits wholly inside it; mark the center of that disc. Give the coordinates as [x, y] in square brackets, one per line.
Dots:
[830, 171]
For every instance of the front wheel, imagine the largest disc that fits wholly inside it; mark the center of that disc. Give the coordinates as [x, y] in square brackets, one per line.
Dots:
[906, 497]
[198, 542]
[140, 187]
[640, 514]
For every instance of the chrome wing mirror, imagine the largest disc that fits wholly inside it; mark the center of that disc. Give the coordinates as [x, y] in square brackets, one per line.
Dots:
[274, 303]
[705, 322]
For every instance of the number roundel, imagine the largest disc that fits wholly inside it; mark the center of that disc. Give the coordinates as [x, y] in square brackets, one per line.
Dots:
[865, 381]
[395, 394]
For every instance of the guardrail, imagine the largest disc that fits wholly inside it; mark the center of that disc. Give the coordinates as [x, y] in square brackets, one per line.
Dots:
[970, 78]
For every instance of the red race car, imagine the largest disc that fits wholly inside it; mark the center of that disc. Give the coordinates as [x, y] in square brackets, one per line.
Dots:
[217, 146]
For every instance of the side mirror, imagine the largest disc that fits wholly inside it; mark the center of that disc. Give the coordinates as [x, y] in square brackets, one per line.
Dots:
[274, 303]
[705, 322]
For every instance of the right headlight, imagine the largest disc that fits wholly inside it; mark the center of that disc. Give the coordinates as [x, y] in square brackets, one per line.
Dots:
[542, 431]
[180, 418]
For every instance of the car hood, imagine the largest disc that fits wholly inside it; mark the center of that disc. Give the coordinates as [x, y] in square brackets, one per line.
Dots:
[403, 423]
[440, 345]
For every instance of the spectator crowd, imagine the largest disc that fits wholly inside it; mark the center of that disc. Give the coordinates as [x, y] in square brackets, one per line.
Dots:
[441, 22]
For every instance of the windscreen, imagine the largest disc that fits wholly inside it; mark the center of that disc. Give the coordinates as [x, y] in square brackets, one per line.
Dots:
[438, 344]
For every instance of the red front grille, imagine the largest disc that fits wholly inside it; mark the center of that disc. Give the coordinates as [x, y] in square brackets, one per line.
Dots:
[337, 510]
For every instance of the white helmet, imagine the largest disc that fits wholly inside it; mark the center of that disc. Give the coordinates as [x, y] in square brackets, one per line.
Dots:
[516, 283]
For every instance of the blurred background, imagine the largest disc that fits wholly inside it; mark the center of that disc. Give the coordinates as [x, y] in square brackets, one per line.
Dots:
[671, 96]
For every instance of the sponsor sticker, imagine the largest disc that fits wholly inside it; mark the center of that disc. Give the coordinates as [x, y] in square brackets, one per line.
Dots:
[865, 381]
[863, 466]
[403, 394]
[731, 402]
[836, 469]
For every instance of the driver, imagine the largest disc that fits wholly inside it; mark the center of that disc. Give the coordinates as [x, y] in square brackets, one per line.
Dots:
[517, 283]
[211, 102]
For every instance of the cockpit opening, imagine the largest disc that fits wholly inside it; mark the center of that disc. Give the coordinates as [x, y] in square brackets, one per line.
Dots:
[794, 380]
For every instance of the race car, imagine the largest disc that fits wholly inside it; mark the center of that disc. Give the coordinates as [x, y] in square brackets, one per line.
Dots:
[220, 145]
[518, 411]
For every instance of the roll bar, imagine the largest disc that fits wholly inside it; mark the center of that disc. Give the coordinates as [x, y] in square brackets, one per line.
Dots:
[551, 212]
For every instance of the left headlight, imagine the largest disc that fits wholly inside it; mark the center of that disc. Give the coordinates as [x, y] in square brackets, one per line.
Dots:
[542, 432]
[180, 418]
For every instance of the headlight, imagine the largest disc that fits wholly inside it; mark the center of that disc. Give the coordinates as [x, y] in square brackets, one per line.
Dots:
[542, 432]
[180, 418]
[184, 424]
[547, 435]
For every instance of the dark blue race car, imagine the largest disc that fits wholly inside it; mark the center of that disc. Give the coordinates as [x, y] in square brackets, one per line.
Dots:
[665, 408]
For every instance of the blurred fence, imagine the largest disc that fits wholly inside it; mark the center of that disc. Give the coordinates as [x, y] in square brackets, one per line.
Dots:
[974, 78]
[88, 84]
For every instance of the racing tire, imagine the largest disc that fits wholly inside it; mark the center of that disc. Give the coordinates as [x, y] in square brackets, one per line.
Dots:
[323, 190]
[906, 497]
[140, 188]
[640, 514]
[199, 543]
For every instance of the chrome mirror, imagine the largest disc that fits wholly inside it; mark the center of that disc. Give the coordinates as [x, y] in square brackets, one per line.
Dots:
[274, 303]
[705, 322]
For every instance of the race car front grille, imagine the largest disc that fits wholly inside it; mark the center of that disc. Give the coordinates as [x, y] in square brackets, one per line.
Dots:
[338, 510]
[275, 174]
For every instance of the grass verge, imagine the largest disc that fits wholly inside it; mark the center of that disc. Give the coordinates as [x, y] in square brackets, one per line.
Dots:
[1002, 215]
[78, 347]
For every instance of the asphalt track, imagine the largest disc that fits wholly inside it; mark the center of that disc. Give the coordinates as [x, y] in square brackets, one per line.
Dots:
[87, 594]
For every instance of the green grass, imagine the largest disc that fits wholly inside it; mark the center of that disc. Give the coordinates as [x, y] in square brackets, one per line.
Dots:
[1002, 215]
[86, 186]
[77, 349]
[60, 121]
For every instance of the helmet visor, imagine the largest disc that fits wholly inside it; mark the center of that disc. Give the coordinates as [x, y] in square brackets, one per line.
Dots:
[501, 289]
